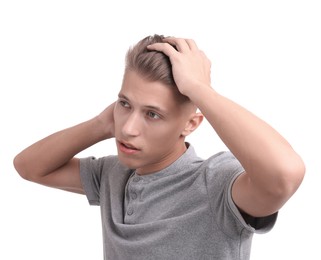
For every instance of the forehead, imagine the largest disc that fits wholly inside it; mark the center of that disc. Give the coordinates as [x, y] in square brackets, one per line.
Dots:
[148, 93]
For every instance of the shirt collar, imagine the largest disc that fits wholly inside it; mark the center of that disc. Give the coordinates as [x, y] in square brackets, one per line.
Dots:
[184, 160]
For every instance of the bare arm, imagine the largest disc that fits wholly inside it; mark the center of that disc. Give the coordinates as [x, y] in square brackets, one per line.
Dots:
[51, 161]
[273, 170]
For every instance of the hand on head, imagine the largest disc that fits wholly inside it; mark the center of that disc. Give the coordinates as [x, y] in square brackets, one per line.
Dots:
[191, 67]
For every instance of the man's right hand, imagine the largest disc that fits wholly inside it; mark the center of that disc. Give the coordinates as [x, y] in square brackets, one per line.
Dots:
[106, 118]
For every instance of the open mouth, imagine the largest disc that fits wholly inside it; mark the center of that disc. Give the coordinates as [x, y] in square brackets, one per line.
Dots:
[127, 148]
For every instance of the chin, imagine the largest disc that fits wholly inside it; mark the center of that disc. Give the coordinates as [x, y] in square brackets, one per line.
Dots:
[130, 163]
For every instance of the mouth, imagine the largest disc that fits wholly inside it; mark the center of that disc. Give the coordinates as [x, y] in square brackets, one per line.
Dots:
[127, 148]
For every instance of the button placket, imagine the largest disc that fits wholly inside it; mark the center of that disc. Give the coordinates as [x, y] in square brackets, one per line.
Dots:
[137, 179]
[133, 190]
[130, 211]
[133, 195]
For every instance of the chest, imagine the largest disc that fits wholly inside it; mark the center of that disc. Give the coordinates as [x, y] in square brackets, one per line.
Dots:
[162, 199]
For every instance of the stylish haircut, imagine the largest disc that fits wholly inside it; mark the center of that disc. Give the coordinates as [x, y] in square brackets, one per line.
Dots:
[152, 65]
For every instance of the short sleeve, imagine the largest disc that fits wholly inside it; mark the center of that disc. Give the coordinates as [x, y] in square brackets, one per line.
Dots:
[222, 170]
[258, 225]
[91, 174]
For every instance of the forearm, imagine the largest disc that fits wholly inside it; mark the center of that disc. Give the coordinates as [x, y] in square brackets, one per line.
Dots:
[54, 151]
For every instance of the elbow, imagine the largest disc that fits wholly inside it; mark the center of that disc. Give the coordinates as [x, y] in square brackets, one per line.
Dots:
[20, 167]
[291, 176]
[296, 173]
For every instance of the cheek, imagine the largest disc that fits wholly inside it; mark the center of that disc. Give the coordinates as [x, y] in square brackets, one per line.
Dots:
[118, 119]
[176, 126]
[165, 133]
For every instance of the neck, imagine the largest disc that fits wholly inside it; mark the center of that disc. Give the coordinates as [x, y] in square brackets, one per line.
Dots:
[167, 160]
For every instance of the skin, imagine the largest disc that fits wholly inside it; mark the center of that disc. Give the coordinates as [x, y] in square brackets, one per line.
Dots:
[273, 170]
[148, 117]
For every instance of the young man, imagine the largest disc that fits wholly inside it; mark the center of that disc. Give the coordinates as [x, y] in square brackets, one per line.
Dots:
[158, 199]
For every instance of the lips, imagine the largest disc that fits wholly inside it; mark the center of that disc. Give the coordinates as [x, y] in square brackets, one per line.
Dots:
[127, 148]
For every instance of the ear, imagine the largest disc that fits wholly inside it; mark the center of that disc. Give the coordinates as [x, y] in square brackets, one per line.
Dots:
[194, 121]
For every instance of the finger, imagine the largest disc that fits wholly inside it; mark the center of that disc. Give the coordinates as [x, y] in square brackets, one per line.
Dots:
[165, 47]
[180, 44]
[192, 44]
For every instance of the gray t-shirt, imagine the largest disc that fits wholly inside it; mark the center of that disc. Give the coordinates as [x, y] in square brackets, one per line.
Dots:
[184, 211]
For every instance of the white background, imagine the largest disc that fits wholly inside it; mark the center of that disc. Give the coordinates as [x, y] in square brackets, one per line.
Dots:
[61, 62]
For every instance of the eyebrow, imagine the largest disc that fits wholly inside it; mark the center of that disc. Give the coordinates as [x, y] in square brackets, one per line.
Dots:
[120, 95]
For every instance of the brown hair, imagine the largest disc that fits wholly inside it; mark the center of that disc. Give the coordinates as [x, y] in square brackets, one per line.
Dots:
[152, 65]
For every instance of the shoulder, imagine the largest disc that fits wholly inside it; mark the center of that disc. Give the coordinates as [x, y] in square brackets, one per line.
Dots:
[102, 176]
[91, 163]
[220, 170]
[224, 162]
[103, 167]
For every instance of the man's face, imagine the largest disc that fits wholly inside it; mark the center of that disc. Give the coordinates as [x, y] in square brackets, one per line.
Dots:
[148, 124]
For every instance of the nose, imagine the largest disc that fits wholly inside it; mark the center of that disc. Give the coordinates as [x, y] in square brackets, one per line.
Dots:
[131, 125]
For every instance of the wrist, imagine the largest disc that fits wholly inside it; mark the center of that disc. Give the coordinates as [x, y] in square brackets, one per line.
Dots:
[101, 129]
[199, 93]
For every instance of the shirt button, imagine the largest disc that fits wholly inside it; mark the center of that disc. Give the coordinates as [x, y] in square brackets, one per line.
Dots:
[136, 179]
[130, 211]
[134, 196]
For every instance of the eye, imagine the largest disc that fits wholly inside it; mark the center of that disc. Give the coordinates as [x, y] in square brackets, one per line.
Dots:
[124, 103]
[153, 115]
